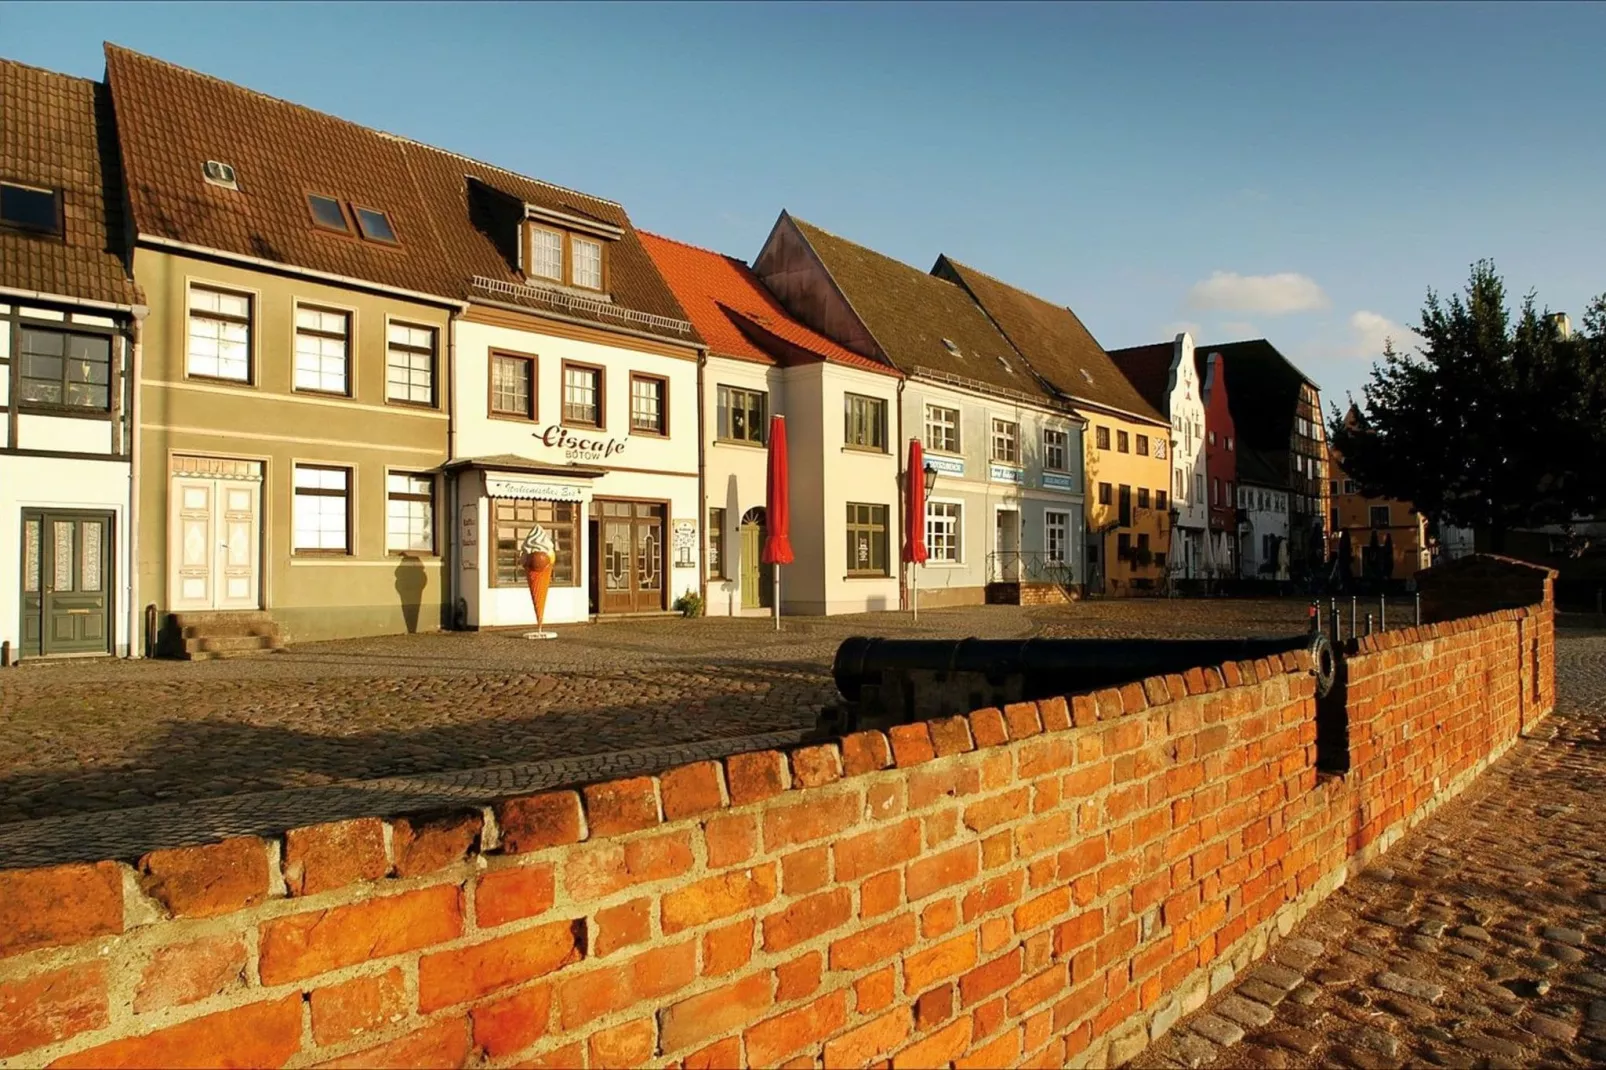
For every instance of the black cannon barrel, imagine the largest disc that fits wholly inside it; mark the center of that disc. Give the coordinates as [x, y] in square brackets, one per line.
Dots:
[1048, 667]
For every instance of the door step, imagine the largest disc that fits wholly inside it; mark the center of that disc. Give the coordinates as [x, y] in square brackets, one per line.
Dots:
[209, 636]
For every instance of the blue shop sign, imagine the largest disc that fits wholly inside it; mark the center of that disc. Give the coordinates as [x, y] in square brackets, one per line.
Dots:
[1003, 473]
[1058, 481]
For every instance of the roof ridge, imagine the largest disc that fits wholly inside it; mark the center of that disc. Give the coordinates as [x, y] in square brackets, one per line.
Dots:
[405, 140]
[962, 266]
[877, 252]
[689, 245]
[46, 70]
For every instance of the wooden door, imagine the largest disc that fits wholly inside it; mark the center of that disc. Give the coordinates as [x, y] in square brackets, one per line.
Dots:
[630, 566]
[758, 579]
[216, 546]
[240, 549]
[67, 583]
[648, 587]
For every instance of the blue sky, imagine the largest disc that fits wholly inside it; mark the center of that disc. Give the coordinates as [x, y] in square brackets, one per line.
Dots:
[1297, 172]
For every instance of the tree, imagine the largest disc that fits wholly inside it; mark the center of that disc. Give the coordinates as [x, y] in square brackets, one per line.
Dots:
[1495, 422]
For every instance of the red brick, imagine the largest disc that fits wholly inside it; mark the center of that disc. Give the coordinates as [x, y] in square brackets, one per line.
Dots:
[1043, 834]
[694, 1020]
[1002, 1051]
[950, 735]
[443, 1044]
[59, 905]
[870, 946]
[691, 789]
[623, 926]
[1044, 756]
[718, 897]
[314, 942]
[184, 973]
[321, 857]
[532, 822]
[877, 849]
[628, 1045]
[884, 801]
[997, 850]
[600, 869]
[935, 1007]
[948, 959]
[927, 876]
[732, 839]
[513, 1023]
[258, 1034]
[1084, 710]
[1021, 720]
[911, 744]
[987, 728]
[806, 871]
[1036, 990]
[944, 780]
[1132, 698]
[858, 1047]
[1042, 910]
[47, 1007]
[1109, 703]
[865, 752]
[755, 776]
[621, 806]
[773, 1040]
[939, 1049]
[721, 1055]
[729, 948]
[813, 817]
[203, 882]
[448, 977]
[880, 893]
[981, 816]
[565, 1058]
[426, 843]
[342, 1011]
[798, 978]
[995, 933]
[651, 975]
[815, 766]
[939, 918]
[807, 918]
[1056, 714]
[504, 895]
[1155, 691]
[875, 991]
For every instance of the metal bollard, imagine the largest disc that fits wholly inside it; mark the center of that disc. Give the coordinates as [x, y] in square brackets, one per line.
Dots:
[1315, 617]
[1354, 610]
[1332, 617]
[1383, 612]
[1368, 624]
[1419, 609]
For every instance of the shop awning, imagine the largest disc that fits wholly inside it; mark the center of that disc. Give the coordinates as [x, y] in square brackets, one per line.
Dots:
[512, 476]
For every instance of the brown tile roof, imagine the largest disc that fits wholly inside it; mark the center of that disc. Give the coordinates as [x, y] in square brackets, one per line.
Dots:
[1054, 340]
[55, 132]
[1148, 369]
[913, 316]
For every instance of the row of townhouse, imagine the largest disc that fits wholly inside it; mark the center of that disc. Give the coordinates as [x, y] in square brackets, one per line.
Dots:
[265, 372]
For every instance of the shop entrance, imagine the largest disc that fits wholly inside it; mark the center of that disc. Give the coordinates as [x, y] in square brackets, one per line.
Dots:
[630, 556]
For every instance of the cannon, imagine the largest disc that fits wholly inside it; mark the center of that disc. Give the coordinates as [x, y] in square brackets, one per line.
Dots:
[885, 682]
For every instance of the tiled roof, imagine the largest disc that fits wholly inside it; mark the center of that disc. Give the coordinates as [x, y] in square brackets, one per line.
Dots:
[1262, 395]
[1148, 369]
[55, 132]
[913, 317]
[1054, 340]
[735, 313]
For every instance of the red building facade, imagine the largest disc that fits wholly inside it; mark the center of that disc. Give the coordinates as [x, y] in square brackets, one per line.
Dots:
[1221, 465]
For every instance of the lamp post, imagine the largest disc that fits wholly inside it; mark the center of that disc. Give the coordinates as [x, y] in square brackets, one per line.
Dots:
[929, 480]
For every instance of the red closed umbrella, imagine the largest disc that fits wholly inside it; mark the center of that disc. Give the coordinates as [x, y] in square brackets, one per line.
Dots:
[914, 538]
[777, 549]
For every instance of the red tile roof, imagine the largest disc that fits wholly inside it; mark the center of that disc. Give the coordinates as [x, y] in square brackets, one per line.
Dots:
[734, 312]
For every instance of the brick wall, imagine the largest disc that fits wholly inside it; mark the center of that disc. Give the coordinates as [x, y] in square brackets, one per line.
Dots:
[1053, 883]
[1481, 583]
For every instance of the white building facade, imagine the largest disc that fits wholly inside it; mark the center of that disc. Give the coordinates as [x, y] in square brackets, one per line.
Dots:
[1263, 530]
[1190, 489]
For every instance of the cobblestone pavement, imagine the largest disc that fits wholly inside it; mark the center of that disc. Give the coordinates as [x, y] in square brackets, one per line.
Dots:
[1478, 940]
[98, 758]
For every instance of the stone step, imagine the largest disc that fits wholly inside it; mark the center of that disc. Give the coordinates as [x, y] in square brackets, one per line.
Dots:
[219, 644]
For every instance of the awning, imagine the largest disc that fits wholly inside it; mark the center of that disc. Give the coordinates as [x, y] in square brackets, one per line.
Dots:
[505, 486]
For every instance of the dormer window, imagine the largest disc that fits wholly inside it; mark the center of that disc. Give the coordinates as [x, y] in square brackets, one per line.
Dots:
[565, 258]
[374, 225]
[328, 213]
[30, 208]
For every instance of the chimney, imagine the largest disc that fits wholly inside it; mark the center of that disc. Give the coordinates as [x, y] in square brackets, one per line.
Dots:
[1564, 326]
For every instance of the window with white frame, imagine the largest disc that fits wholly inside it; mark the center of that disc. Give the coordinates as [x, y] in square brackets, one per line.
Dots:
[1006, 441]
[942, 429]
[1057, 536]
[323, 348]
[867, 539]
[864, 422]
[944, 532]
[546, 253]
[321, 512]
[742, 414]
[586, 262]
[648, 411]
[410, 364]
[513, 385]
[219, 335]
[1056, 449]
[409, 513]
[1199, 487]
[582, 395]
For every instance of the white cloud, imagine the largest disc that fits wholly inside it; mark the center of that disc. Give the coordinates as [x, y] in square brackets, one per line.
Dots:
[1369, 330]
[1272, 295]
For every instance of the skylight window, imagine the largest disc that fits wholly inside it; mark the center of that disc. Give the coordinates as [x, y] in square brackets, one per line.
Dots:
[30, 208]
[1086, 375]
[375, 225]
[948, 344]
[327, 213]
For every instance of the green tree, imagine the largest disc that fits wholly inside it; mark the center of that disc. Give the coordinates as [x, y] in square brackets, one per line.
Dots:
[1496, 421]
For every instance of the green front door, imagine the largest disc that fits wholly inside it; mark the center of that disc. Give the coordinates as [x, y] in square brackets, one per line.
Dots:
[758, 579]
[66, 583]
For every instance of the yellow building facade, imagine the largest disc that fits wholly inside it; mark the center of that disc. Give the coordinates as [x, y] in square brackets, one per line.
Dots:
[1128, 508]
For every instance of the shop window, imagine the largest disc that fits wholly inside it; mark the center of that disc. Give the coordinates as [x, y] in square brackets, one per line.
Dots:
[513, 518]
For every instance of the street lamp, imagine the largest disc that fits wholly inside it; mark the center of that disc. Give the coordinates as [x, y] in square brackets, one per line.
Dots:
[931, 478]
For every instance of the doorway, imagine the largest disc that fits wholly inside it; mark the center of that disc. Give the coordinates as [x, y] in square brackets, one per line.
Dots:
[67, 577]
[758, 582]
[215, 536]
[1006, 541]
[630, 567]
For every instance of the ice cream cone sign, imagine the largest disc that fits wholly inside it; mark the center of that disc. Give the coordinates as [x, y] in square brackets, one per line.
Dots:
[539, 547]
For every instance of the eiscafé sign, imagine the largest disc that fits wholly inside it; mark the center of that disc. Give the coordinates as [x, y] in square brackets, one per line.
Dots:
[578, 447]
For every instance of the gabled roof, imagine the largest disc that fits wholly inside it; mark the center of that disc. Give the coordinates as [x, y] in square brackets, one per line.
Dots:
[920, 322]
[734, 312]
[1148, 369]
[1055, 342]
[56, 132]
[1262, 393]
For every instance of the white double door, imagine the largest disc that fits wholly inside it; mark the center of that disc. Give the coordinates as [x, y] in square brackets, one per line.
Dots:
[216, 544]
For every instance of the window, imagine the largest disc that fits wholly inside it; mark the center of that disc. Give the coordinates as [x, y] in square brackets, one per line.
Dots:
[327, 213]
[1229, 443]
[1106, 494]
[1142, 445]
[864, 422]
[1199, 487]
[649, 411]
[375, 226]
[1143, 497]
[942, 429]
[1122, 443]
[60, 368]
[1056, 450]
[1181, 481]
[1101, 436]
[30, 208]
[1006, 441]
[220, 335]
[1123, 505]
[586, 266]
[322, 349]
[1159, 500]
[944, 531]
[409, 513]
[1159, 559]
[1123, 546]
[1380, 516]
[1215, 491]
[867, 540]
[1332, 522]
[321, 513]
[1226, 494]
[1268, 547]
[1143, 545]
[716, 544]
[410, 364]
[1332, 486]
[1057, 536]
[1212, 438]
[742, 414]
[546, 253]
[582, 395]
[513, 518]
[1349, 486]
[512, 385]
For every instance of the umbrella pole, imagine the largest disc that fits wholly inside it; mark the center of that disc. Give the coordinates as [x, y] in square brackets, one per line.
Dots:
[777, 586]
[914, 590]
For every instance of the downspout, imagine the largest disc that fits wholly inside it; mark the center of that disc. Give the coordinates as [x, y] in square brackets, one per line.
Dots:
[451, 563]
[702, 481]
[136, 343]
[903, 448]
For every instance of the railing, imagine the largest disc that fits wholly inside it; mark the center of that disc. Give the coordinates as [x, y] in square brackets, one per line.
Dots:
[569, 302]
[1019, 566]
